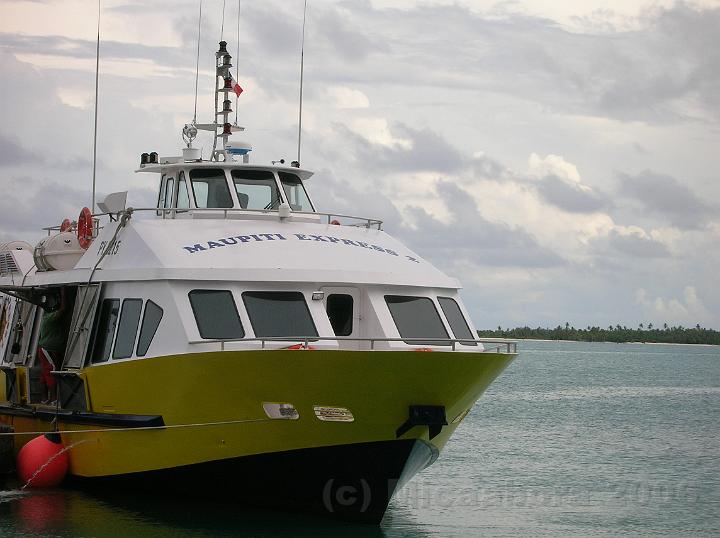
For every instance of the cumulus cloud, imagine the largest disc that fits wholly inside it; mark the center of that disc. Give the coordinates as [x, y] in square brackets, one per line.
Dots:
[688, 310]
[471, 237]
[559, 183]
[417, 150]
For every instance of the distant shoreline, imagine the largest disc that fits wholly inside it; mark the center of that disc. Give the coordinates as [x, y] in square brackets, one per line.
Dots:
[492, 339]
[616, 334]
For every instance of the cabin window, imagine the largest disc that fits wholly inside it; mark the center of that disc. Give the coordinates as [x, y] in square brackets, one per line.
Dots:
[340, 312]
[216, 314]
[279, 314]
[210, 188]
[417, 317]
[169, 188]
[295, 192]
[105, 329]
[183, 201]
[150, 323]
[127, 328]
[161, 196]
[256, 189]
[457, 321]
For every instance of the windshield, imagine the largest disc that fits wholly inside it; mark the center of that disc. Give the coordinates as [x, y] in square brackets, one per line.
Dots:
[256, 189]
[210, 188]
[295, 192]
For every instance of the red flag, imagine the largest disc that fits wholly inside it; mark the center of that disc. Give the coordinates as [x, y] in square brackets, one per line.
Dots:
[235, 86]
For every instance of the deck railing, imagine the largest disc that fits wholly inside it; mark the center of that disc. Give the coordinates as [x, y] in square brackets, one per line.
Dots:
[357, 222]
[489, 346]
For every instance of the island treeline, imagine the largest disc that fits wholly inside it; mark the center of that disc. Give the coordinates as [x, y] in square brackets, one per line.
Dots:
[618, 333]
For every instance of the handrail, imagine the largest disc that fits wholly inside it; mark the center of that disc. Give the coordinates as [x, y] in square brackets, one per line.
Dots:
[496, 345]
[172, 212]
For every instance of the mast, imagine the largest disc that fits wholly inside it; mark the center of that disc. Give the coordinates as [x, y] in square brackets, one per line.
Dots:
[223, 87]
[97, 79]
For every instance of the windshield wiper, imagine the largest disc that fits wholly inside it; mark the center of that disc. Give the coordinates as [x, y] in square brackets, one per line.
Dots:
[271, 204]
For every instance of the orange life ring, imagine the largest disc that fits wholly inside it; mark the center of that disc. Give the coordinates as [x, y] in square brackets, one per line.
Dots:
[66, 225]
[300, 346]
[85, 228]
[423, 349]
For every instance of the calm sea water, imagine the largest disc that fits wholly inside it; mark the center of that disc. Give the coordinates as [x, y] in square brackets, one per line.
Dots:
[574, 439]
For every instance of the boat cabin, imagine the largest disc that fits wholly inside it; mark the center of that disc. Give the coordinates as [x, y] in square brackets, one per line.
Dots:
[230, 185]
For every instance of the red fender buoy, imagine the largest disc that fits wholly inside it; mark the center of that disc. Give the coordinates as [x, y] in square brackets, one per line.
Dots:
[43, 463]
[335, 222]
[85, 228]
[66, 225]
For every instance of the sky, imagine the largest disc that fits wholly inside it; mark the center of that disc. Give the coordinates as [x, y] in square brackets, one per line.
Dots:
[558, 157]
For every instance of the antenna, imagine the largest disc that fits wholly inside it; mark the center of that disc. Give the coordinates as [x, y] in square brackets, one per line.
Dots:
[302, 65]
[237, 58]
[197, 64]
[97, 76]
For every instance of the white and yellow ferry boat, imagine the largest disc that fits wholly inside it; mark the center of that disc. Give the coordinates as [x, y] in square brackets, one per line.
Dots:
[235, 340]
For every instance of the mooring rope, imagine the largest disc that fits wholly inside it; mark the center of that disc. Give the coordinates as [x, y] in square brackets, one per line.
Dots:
[145, 428]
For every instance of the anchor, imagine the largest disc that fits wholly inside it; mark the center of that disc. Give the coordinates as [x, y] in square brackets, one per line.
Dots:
[432, 416]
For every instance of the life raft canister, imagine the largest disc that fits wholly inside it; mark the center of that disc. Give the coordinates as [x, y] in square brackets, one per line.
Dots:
[85, 228]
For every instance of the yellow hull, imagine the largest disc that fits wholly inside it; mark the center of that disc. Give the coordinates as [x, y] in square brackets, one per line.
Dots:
[212, 403]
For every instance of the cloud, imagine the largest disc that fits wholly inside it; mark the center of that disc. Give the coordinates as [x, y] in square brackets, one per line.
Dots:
[12, 153]
[427, 129]
[688, 311]
[412, 150]
[570, 197]
[470, 237]
[559, 183]
[665, 198]
[634, 242]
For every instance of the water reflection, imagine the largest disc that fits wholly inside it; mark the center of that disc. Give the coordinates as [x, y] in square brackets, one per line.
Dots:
[63, 512]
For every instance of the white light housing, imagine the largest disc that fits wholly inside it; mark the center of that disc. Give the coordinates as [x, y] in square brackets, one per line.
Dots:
[191, 154]
[318, 295]
[284, 210]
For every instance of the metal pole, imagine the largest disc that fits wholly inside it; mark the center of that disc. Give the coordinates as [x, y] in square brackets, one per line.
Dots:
[302, 66]
[97, 77]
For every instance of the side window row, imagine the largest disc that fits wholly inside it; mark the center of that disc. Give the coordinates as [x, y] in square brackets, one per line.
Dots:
[286, 314]
[120, 326]
[271, 314]
[417, 317]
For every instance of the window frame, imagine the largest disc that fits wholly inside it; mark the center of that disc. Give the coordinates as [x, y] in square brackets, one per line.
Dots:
[462, 341]
[235, 306]
[437, 341]
[301, 183]
[271, 177]
[352, 312]
[98, 316]
[181, 179]
[229, 191]
[142, 325]
[288, 337]
[119, 325]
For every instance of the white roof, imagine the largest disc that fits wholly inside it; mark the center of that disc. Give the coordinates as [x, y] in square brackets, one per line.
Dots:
[251, 250]
[170, 167]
